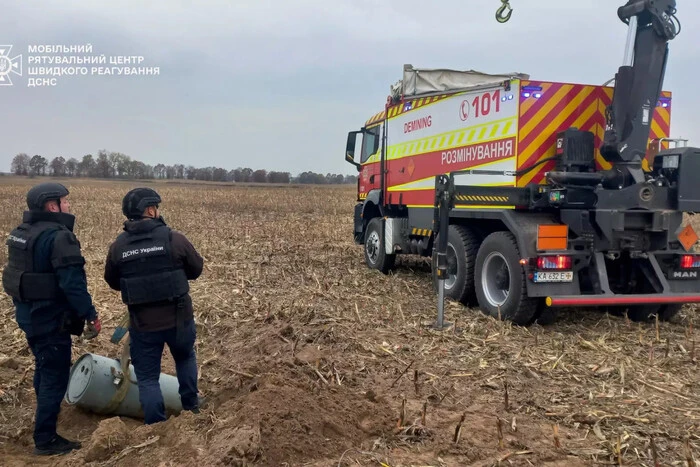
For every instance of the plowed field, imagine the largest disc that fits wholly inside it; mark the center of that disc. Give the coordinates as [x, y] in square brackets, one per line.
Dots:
[307, 357]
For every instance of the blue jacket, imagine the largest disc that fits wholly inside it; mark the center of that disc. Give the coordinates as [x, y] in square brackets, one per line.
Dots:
[48, 316]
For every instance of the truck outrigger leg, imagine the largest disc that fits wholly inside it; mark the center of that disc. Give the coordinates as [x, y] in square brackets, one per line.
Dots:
[441, 222]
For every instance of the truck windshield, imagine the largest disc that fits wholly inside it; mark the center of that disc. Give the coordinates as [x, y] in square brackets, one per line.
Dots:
[369, 142]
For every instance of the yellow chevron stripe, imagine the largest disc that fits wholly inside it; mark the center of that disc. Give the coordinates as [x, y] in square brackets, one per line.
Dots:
[464, 206]
[454, 139]
[481, 198]
[482, 206]
[656, 129]
[552, 127]
[525, 106]
[421, 232]
[544, 112]
[600, 132]
[397, 110]
[664, 114]
[374, 118]
[526, 153]
[506, 127]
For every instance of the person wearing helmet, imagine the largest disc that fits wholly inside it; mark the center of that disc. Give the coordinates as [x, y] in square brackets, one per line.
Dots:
[46, 279]
[151, 264]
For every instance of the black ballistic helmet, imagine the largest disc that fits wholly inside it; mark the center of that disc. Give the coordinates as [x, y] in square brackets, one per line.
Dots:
[43, 192]
[137, 200]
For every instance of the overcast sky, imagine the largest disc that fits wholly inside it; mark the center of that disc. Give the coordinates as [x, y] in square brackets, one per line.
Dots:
[277, 84]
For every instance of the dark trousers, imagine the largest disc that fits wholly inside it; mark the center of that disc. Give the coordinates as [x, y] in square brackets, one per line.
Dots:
[52, 360]
[146, 352]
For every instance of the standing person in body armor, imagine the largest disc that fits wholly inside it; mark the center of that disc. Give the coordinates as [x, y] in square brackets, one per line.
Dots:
[46, 279]
[151, 265]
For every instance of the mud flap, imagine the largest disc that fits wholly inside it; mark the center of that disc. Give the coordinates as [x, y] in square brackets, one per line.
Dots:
[357, 228]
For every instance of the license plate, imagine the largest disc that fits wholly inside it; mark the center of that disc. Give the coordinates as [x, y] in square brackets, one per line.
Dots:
[558, 276]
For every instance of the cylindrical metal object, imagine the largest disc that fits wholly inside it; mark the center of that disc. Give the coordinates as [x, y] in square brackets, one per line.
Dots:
[441, 304]
[631, 37]
[94, 381]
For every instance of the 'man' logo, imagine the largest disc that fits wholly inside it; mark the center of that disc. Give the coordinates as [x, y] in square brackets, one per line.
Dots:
[9, 65]
[685, 274]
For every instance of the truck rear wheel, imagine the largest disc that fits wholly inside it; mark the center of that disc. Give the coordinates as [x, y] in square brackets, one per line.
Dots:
[500, 280]
[668, 312]
[375, 256]
[643, 313]
[462, 247]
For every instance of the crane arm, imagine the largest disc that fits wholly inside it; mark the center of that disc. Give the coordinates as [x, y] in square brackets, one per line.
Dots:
[638, 84]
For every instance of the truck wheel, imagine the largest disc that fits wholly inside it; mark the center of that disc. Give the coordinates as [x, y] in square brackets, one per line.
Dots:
[668, 312]
[375, 256]
[544, 315]
[644, 313]
[500, 280]
[462, 247]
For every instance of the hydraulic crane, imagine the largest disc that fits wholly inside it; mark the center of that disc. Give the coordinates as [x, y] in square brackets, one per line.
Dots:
[652, 24]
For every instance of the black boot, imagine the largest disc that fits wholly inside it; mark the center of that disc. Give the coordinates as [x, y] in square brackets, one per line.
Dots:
[58, 445]
[201, 401]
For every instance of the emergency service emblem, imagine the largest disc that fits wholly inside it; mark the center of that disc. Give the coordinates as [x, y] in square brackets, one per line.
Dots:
[9, 66]
[464, 110]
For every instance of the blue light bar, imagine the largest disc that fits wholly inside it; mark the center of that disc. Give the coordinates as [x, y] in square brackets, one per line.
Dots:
[664, 102]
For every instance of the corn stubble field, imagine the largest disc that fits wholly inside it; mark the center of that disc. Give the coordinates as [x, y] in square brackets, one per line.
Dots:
[307, 357]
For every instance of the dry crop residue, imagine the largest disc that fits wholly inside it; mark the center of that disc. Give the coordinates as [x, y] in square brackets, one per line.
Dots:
[308, 358]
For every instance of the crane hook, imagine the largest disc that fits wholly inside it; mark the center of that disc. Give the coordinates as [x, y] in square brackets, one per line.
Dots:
[500, 17]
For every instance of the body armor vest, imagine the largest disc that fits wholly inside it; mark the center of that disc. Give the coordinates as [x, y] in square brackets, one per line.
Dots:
[148, 272]
[19, 279]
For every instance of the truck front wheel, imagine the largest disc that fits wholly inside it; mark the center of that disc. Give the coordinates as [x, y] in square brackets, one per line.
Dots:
[375, 255]
[500, 280]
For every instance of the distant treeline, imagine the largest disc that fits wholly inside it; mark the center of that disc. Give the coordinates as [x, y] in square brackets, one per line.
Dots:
[118, 165]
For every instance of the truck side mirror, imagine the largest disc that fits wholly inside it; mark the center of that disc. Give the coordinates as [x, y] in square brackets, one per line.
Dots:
[350, 148]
